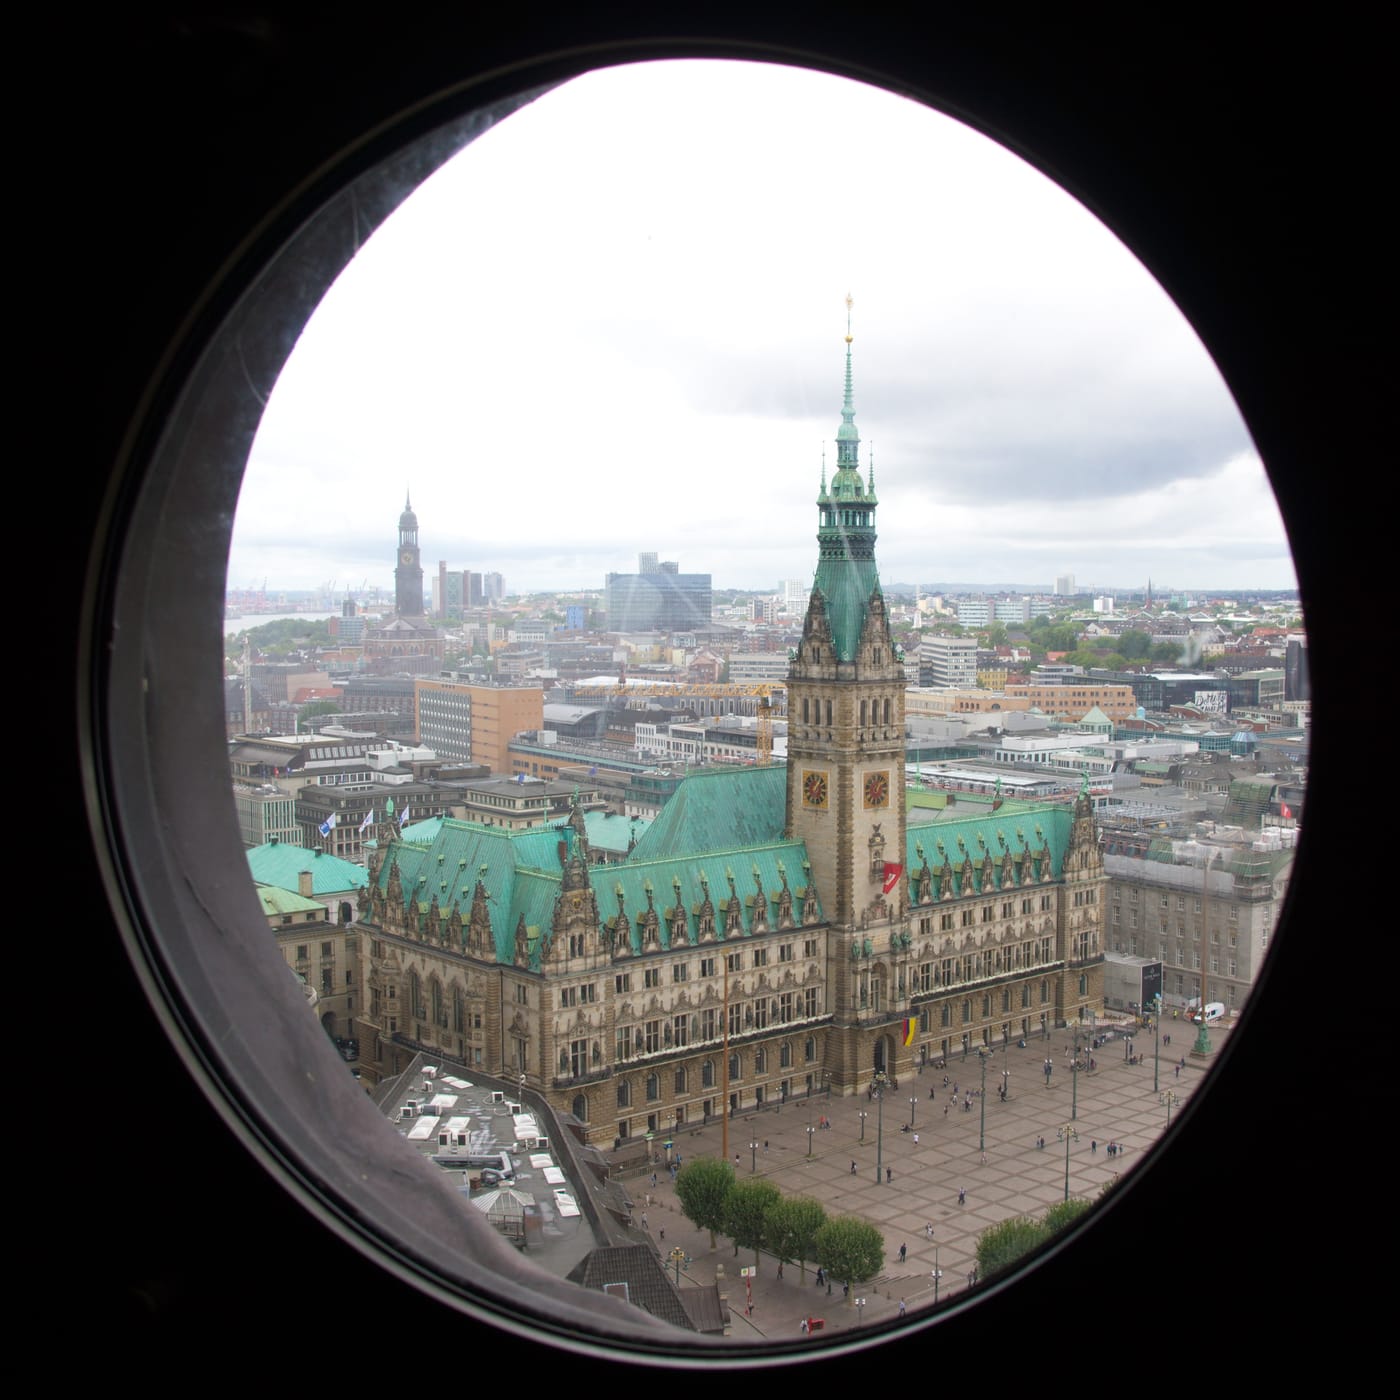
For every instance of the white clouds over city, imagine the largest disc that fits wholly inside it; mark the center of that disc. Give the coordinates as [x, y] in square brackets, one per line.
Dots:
[615, 323]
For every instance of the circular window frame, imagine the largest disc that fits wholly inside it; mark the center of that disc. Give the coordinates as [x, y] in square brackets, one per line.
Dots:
[151, 632]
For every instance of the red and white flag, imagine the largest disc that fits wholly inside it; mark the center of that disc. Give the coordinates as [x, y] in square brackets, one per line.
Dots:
[892, 874]
[1286, 809]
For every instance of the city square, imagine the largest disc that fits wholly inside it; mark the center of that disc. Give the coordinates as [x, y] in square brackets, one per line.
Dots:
[989, 1152]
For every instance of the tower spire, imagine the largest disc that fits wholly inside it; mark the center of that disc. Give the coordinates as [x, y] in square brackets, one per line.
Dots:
[847, 438]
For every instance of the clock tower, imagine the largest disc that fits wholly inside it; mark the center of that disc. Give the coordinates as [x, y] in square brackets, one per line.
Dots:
[408, 572]
[845, 795]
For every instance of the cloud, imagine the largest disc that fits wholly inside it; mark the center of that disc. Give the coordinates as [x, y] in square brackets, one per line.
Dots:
[590, 334]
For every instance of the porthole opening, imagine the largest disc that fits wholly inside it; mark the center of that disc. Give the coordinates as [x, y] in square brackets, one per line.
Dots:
[884, 1049]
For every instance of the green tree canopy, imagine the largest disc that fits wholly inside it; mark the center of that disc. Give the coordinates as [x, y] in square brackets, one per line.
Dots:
[850, 1249]
[1062, 638]
[1064, 1213]
[746, 1214]
[702, 1187]
[319, 707]
[1000, 1246]
[1135, 645]
[1168, 653]
[791, 1230]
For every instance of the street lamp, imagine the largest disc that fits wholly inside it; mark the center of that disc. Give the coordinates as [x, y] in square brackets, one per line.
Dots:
[1005, 1085]
[982, 1131]
[863, 1115]
[860, 1314]
[1074, 1076]
[1156, 1042]
[1070, 1134]
[753, 1155]
[913, 1099]
[1169, 1098]
[937, 1274]
[878, 1085]
[810, 1131]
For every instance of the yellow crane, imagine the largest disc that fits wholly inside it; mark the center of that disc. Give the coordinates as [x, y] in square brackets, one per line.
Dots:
[765, 690]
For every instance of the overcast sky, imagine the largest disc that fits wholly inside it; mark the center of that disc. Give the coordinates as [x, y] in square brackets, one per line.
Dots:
[616, 323]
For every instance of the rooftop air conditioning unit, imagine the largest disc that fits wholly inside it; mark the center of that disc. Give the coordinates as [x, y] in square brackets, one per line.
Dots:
[406, 1111]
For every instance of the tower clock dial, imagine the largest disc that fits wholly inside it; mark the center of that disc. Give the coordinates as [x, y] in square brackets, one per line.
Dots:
[814, 789]
[877, 789]
[406, 556]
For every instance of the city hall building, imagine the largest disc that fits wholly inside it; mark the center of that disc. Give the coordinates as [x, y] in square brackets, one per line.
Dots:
[775, 932]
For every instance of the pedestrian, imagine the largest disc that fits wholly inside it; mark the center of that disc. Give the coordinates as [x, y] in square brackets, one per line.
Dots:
[821, 1276]
[889, 1175]
[780, 1268]
[916, 1139]
[962, 1196]
[1178, 1071]
[903, 1251]
[945, 1110]
[765, 1144]
[663, 1232]
[928, 1230]
[853, 1166]
[901, 1307]
[653, 1178]
[1093, 1145]
[644, 1220]
[804, 1324]
[736, 1161]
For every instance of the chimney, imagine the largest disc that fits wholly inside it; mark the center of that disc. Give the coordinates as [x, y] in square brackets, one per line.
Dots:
[304, 883]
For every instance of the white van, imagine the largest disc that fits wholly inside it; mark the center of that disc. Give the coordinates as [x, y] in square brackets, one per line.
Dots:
[1214, 1011]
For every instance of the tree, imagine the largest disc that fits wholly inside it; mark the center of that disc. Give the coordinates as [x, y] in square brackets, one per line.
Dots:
[791, 1230]
[1135, 645]
[1168, 653]
[850, 1249]
[318, 707]
[1002, 1245]
[1064, 1213]
[702, 1187]
[746, 1214]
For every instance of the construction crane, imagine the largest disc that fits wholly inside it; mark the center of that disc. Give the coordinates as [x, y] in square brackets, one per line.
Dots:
[764, 690]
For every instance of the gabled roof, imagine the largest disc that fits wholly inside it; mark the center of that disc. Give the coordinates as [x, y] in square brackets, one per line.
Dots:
[722, 809]
[275, 900]
[278, 863]
[636, 1273]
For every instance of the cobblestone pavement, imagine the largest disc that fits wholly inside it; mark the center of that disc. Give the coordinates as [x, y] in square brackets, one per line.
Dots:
[918, 1204]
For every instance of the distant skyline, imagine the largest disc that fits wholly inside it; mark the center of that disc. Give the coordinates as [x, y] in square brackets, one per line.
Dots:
[588, 336]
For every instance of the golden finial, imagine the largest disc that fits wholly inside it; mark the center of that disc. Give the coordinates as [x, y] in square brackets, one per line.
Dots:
[850, 302]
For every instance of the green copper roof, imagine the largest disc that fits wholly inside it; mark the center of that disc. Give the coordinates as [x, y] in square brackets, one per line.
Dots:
[278, 863]
[612, 832]
[846, 575]
[949, 843]
[718, 810]
[276, 900]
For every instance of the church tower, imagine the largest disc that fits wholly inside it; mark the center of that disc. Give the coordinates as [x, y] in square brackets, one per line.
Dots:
[845, 768]
[408, 574]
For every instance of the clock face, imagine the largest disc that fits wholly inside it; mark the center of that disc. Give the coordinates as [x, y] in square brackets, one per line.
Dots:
[407, 556]
[877, 789]
[814, 789]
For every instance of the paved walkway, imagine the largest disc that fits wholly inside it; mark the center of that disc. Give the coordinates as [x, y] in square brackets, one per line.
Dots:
[917, 1206]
